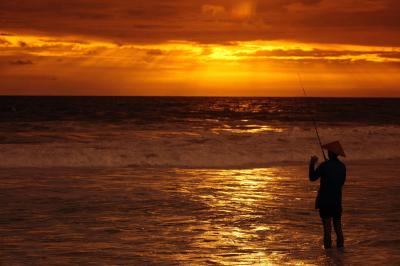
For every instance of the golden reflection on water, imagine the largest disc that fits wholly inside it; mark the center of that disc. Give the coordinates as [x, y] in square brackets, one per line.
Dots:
[146, 216]
[241, 232]
[252, 129]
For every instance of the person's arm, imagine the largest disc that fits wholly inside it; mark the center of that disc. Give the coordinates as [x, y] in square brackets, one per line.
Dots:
[313, 174]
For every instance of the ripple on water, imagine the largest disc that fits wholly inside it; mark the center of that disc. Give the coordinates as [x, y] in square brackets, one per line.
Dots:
[181, 216]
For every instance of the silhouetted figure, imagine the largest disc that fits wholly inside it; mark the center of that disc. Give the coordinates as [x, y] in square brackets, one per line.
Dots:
[332, 174]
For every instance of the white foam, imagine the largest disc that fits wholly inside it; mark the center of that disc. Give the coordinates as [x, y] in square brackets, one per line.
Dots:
[206, 148]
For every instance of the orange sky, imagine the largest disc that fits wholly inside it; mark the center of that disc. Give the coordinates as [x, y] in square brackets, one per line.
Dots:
[174, 47]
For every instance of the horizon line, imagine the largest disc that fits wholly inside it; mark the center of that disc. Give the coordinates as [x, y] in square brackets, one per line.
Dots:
[203, 96]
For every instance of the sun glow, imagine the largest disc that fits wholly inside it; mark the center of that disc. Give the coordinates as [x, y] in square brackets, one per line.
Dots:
[236, 68]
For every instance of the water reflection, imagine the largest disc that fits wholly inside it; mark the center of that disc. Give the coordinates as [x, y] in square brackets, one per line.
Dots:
[244, 227]
[252, 129]
[164, 216]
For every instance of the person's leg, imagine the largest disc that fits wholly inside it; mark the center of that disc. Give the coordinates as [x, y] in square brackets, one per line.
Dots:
[327, 232]
[337, 224]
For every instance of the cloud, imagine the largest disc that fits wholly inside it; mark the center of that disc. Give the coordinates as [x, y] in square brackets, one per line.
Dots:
[88, 66]
[3, 42]
[147, 44]
[175, 54]
[154, 52]
[21, 62]
[213, 10]
[244, 10]
[219, 21]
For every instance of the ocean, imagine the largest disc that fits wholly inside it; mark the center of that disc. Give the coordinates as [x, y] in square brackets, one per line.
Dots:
[190, 132]
[193, 180]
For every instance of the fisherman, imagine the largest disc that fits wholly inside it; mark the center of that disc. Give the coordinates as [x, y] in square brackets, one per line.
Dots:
[332, 174]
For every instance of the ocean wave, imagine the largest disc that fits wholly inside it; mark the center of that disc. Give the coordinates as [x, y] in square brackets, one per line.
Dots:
[205, 149]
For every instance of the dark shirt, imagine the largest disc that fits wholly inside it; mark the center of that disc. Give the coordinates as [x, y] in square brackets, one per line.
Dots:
[332, 174]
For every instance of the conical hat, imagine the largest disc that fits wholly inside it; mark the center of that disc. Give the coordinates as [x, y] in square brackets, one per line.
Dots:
[335, 147]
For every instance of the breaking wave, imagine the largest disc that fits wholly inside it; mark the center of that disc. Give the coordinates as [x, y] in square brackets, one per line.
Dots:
[217, 148]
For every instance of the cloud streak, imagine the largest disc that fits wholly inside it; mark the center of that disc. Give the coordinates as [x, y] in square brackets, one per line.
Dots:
[72, 48]
[21, 62]
[218, 47]
[341, 21]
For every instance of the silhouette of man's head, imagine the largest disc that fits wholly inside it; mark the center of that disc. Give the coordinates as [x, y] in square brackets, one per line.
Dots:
[332, 155]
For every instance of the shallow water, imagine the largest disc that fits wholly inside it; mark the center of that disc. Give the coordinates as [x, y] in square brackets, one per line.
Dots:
[172, 216]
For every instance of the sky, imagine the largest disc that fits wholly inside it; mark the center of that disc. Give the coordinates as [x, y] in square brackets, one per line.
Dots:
[338, 48]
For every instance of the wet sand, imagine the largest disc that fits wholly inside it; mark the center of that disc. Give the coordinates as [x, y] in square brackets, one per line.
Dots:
[164, 216]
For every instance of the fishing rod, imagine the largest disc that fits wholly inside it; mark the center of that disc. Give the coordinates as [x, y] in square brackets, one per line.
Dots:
[312, 117]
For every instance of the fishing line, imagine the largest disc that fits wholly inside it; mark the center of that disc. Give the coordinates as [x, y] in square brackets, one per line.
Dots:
[312, 116]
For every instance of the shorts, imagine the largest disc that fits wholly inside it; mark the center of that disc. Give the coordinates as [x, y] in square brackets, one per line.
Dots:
[330, 211]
